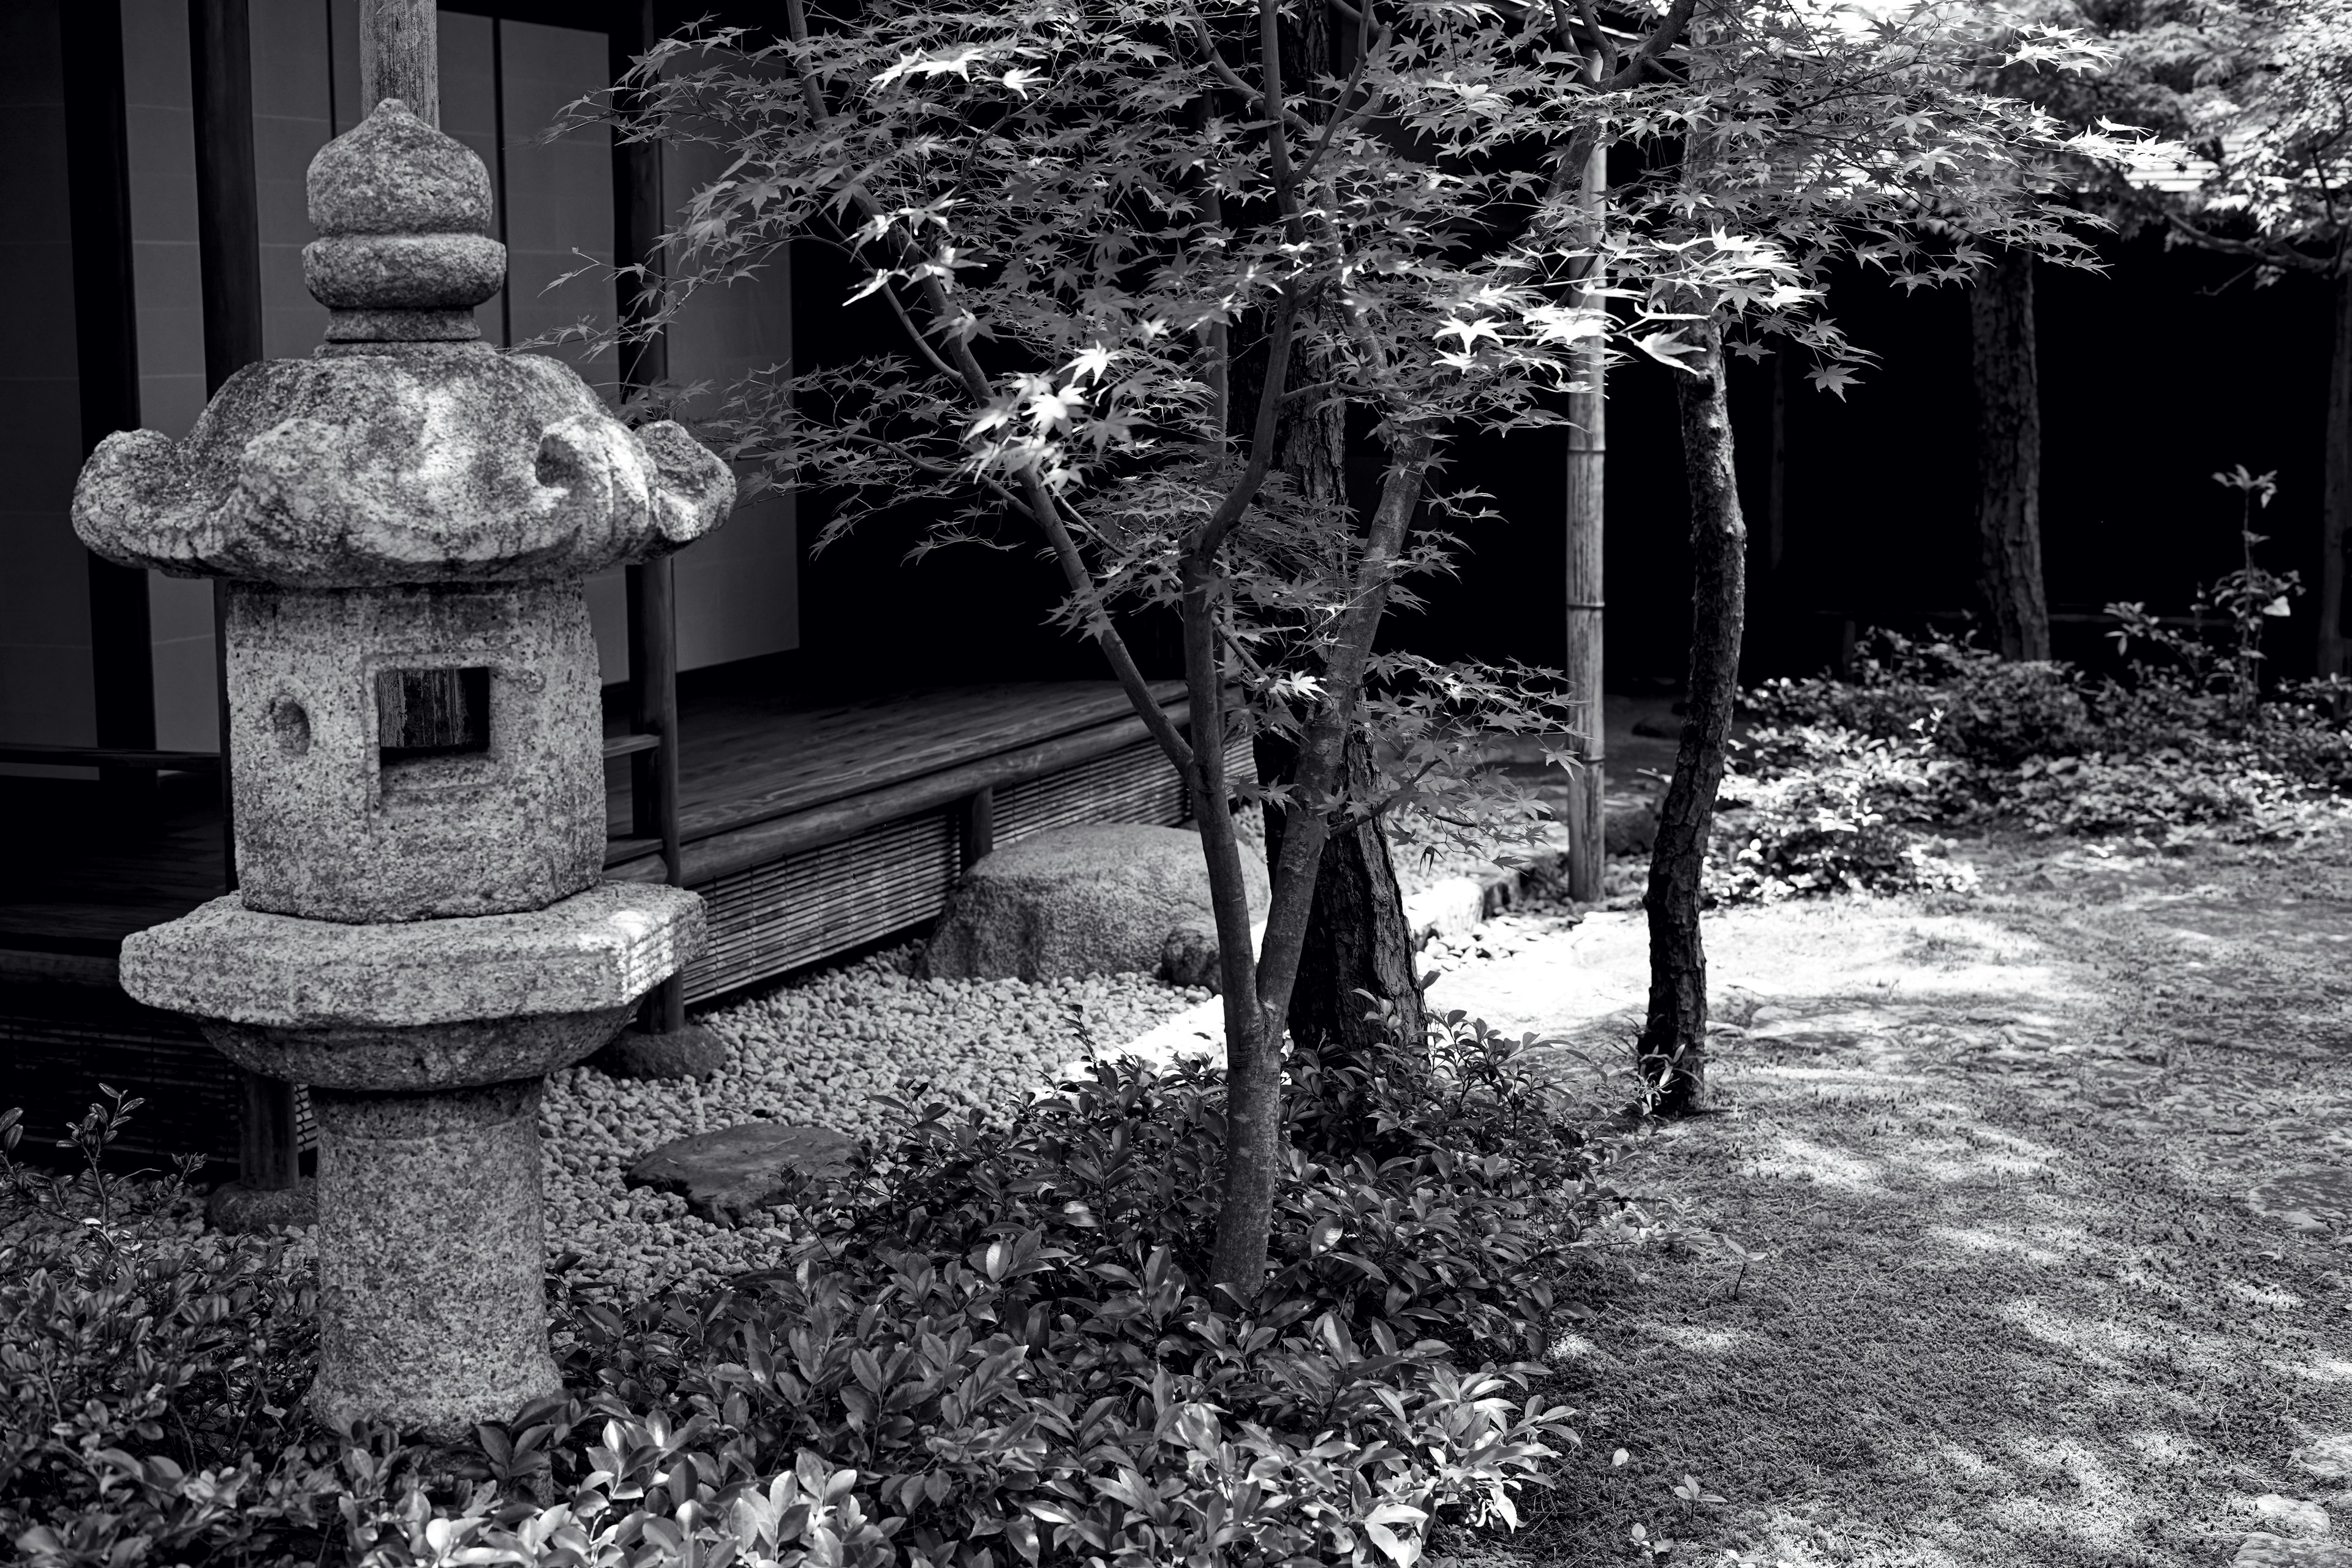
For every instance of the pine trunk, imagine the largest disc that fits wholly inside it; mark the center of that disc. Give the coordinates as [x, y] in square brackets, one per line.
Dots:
[1672, 1047]
[2009, 456]
[1359, 951]
[2335, 487]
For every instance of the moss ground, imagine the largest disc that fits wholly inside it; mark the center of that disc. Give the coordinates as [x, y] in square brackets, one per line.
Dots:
[2025, 1295]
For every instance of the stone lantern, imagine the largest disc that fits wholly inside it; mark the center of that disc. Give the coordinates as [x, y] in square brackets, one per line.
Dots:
[403, 523]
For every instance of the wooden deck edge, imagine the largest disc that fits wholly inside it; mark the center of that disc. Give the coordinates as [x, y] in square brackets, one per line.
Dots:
[20, 966]
[758, 843]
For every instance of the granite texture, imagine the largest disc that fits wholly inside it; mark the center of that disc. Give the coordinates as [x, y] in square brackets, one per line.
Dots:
[449, 463]
[725, 1175]
[1098, 899]
[393, 332]
[602, 948]
[404, 271]
[327, 829]
[431, 1221]
[392, 174]
[421, 1056]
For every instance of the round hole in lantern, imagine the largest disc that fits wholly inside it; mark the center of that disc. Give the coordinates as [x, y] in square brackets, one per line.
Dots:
[291, 725]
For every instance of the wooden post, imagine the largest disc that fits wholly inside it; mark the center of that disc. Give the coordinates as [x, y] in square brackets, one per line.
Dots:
[638, 217]
[1588, 448]
[106, 330]
[228, 246]
[979, 826]
[652, 670]
[400, 57]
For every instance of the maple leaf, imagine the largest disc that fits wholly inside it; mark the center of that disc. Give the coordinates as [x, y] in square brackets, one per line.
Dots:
[1093, 363]
[1833, 378]
[1668, 348]
[1469, 332]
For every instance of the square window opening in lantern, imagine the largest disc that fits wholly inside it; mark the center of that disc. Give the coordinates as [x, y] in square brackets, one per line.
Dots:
[424, 714]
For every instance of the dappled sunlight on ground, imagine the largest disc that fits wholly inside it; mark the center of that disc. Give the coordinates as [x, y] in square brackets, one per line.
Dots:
[1995, 1294]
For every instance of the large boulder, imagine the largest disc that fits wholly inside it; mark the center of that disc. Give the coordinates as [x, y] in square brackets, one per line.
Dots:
[1096, 899]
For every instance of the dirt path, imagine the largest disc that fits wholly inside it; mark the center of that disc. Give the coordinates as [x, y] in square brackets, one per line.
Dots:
[2056, 1186]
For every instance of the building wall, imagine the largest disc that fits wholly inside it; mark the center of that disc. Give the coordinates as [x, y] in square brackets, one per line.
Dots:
[169, 282]
[46, 691]
[502, 84]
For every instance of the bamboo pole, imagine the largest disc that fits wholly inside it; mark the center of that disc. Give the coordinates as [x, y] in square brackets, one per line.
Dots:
[1588, 447]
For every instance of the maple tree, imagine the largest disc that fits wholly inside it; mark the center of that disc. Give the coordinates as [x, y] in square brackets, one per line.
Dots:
[1085, 218]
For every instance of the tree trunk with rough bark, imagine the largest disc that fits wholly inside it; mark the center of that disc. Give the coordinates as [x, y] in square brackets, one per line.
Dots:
[2009, 456]
[2336, 485]
[1673, 1045]
[1356, 939]
[1359, 951]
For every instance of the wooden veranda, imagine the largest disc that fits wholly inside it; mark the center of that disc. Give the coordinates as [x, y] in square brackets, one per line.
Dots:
[813, 826]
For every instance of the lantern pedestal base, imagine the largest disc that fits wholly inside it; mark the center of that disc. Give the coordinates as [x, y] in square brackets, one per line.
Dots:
[431, 1257]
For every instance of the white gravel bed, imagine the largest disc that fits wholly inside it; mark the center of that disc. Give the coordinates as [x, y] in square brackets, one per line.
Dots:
[823, 1050]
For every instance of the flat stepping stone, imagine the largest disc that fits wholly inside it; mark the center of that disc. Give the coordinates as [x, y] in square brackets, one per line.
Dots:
[2310, 1198]
[2260, 1550]
[725, 1175]
[2329, 1457]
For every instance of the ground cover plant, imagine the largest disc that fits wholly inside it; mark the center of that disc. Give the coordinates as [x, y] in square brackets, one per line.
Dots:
[1851, 784]
[997, 1345]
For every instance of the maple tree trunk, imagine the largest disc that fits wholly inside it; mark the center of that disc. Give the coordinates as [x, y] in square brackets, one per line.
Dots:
[1252, 1049]
[1253, 1152]
[2335, 486]
[1673, 1045]
[1357, 939]
[2009, 456]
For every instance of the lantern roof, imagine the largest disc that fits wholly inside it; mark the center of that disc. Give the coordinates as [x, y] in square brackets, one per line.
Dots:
[404, 450]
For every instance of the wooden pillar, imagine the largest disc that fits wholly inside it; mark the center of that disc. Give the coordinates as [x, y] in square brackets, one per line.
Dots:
[979, 826]
[400, 57]
[1588, 449]
[653, 793]
[106, 332]
[638, 219]
[228, 246]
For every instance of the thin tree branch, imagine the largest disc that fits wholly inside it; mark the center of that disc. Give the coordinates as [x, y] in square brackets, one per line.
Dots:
[1046, 510]
[1664, 37]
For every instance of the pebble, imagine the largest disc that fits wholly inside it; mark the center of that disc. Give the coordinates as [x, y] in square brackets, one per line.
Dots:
[830, 1048]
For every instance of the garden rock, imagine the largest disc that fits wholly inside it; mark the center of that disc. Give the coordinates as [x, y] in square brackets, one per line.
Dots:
[1190, 956]
[236, 1209]
[693, 1052]
[1629, 823]
[1103, 899]
[2329, 1457]
[2261, 1551]
[2290, 1516]
[2315, 1198]
[725, 1175]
